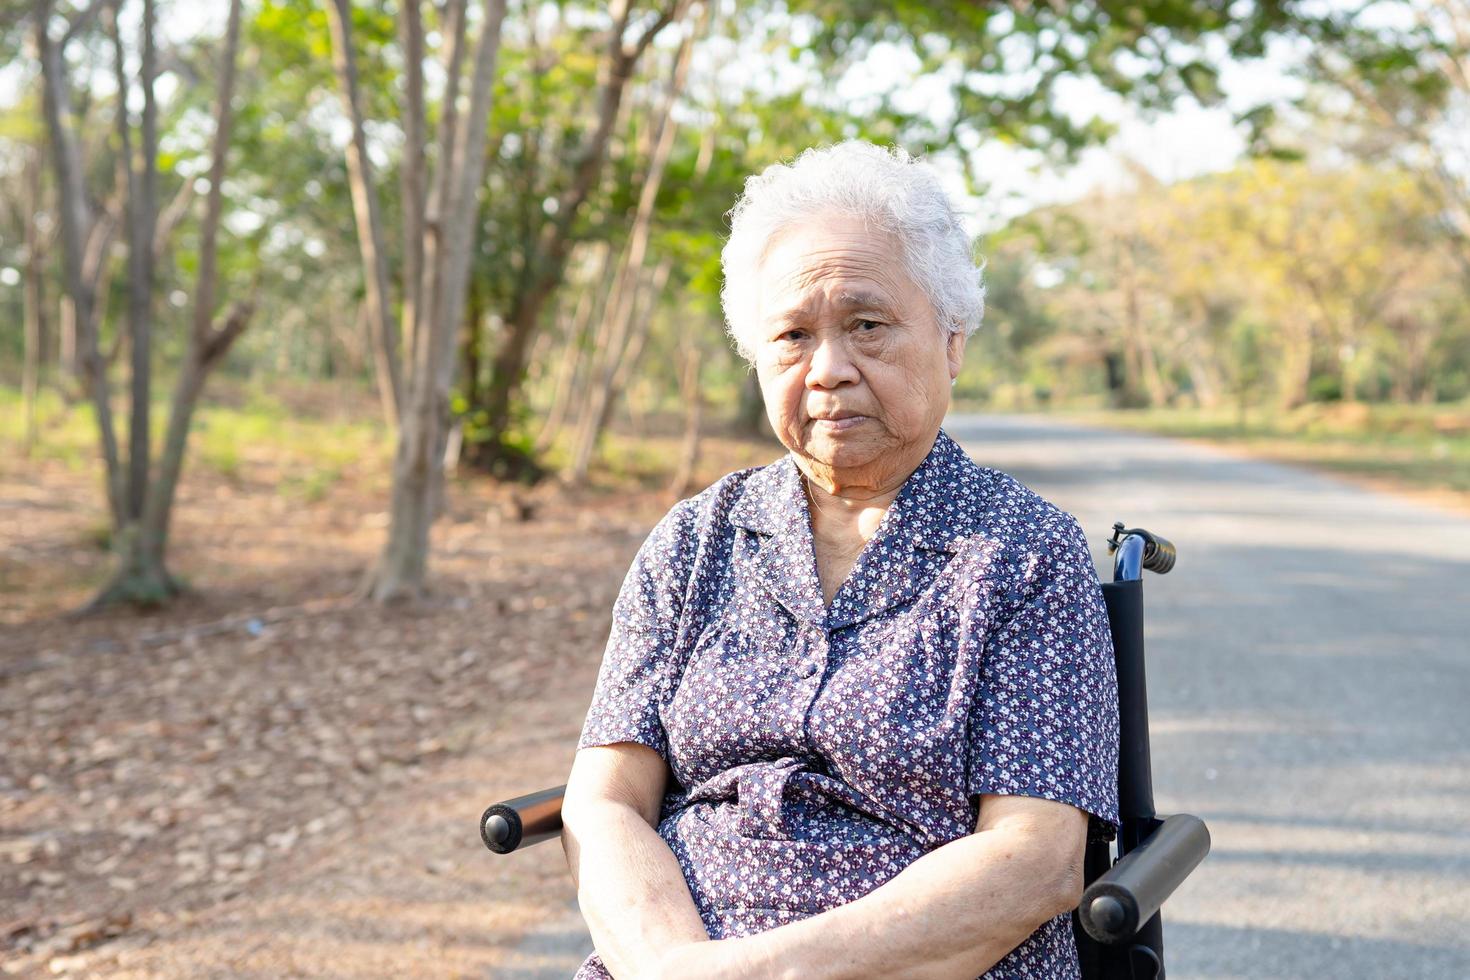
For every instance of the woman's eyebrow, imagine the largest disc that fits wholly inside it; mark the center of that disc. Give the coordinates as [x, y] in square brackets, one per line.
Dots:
[862, 299]
[847, 300]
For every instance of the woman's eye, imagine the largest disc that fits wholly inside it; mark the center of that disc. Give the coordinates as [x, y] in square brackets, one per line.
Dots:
[868, 326]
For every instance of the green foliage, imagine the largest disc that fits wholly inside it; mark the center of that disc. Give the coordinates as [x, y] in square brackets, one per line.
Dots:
[1004, 62]
[1274, 283]
[508, 454]
[1226, 259]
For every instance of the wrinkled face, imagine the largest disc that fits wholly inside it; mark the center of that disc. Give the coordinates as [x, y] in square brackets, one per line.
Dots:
[854, 367]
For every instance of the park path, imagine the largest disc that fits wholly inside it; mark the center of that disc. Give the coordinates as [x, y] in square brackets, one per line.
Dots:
[1309, 674]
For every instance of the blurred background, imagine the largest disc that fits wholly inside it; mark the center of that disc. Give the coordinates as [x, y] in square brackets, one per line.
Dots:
[348, 349]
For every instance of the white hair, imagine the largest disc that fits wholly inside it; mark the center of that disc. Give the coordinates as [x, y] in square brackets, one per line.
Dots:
[886, 188]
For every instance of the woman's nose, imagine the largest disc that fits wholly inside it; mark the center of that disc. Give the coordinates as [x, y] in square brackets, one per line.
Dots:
[831, 366]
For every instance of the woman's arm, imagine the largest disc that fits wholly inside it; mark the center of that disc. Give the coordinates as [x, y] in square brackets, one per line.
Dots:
[629, 884]
[951, 915]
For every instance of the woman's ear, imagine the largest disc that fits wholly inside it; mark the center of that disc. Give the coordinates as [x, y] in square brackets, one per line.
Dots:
[955, 353]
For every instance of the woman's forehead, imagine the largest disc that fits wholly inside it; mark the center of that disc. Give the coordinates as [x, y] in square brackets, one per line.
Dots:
[839, 265]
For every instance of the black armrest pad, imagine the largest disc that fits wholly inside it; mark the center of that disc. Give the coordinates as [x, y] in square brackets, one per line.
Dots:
[522, 821]
[1116, 904]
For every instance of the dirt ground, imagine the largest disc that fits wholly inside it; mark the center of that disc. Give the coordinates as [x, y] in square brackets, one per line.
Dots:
[269, 778]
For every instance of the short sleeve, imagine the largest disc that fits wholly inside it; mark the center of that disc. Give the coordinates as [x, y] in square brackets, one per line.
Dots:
[636, 676]
[1044, 721]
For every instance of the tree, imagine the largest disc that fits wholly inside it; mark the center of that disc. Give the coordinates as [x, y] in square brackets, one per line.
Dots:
[441, 249]
[1399, 88]
[140, 495]
[1269, 283]
[545, 264]
[439, 230]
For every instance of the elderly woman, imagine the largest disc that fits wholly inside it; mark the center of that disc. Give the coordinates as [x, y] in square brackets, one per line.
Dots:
[857, 704]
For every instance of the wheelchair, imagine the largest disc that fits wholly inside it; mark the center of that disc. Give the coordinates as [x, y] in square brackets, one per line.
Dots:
[1118, 926]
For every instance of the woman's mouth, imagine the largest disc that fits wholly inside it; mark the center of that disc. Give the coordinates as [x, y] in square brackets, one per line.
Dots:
[840, 422]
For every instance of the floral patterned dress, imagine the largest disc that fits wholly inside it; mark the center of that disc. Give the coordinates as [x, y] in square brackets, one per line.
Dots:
[818, 750]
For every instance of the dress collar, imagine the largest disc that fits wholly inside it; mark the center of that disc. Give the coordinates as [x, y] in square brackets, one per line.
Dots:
[922, 526]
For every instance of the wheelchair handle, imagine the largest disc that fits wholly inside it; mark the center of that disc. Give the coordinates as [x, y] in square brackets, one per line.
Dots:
[1135, 550]
[523, 821]
[1117, 904]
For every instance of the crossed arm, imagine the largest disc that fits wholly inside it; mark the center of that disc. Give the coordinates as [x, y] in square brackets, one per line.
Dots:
[953, 913]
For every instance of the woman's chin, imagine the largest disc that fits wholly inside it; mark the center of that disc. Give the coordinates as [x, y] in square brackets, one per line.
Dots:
[844, 451]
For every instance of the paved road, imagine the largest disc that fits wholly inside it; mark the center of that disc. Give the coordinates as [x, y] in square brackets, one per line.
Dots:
[1309, 686]
[1309, 676]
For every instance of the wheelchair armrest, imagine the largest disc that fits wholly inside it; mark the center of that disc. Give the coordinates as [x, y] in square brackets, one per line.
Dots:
[1120, 901]
[522, 821]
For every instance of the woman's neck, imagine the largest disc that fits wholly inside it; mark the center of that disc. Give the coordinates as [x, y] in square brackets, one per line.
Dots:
[847, 501]
[848, 511]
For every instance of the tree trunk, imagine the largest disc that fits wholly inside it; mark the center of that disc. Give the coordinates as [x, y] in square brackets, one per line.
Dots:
[140, 218]
[589, 306]
[693, 395]
[466, 170]
[99, 259]
[142, 576]
[617, 368]
[568, 366]
[365, 208]
[466, 173]
[624, 294]
[1200, 358]
[436, 207]
[1143, 365]
[411, 168]
[35, 301]
[1295, 376]
[75, 222]
[508, 367]
[170, 217]
[471, 342]
[401, 569]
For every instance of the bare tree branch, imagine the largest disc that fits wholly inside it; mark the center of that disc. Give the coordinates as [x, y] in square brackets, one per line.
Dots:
[82, 20]
[169, 219]
[411, 172]
[221, 337]
[76, 220]
[214, 198]
[363, 185]
[664, 19]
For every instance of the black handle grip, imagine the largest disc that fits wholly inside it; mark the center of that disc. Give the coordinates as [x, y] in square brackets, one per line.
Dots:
[1114, 906]
[1135, 549]
[523, 821]
[1161, 556]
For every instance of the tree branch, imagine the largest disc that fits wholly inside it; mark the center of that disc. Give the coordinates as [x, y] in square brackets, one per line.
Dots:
[363, 187]
[214, 200]
[81, 20]
[169, 219]
[664, 19]
[221, 337]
